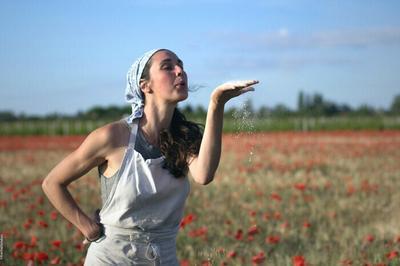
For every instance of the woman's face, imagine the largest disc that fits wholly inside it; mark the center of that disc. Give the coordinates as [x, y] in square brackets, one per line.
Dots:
[168, 81]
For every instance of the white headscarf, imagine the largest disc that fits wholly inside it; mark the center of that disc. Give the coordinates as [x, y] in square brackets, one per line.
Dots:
[133, 93]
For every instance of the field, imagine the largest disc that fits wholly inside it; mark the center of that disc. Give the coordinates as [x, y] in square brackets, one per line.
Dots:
[284, 198]
[243, 120]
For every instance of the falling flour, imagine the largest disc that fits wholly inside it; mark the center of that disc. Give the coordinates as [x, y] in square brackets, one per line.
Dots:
[244, 124]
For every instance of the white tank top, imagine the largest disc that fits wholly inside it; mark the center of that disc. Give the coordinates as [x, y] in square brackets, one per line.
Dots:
[145, 196]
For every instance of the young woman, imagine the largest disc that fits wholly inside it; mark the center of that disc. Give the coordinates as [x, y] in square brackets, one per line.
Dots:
[143, 163]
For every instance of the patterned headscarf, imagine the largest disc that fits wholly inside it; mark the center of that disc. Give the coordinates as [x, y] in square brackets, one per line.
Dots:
[133, 94]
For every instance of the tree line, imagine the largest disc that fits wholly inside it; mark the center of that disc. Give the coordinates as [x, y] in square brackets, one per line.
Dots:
[308, 105]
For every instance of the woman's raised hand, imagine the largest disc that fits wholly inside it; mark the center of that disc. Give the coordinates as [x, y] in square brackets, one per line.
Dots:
[229, 90]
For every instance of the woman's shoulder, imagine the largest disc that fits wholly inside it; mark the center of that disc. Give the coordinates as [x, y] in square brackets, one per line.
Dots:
[112, 134]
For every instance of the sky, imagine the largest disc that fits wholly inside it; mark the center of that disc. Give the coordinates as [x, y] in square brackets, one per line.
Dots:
[68, 56]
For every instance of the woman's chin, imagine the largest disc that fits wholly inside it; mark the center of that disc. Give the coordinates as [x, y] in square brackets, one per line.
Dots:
[183, 96]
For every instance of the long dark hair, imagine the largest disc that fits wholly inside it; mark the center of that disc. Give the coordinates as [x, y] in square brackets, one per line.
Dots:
[181, 140]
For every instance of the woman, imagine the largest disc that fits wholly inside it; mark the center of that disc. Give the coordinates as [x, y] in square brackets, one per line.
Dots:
[143, 161]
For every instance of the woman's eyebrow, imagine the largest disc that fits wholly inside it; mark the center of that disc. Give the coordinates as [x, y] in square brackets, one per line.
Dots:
[170, 60]
[165, 61]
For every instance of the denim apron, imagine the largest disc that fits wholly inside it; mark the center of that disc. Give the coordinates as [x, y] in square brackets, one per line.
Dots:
[142, 213]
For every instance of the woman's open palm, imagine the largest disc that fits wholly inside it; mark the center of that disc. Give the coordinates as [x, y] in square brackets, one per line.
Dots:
[229, 90]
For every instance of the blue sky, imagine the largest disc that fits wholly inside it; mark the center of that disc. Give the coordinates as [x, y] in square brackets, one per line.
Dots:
[65, 56]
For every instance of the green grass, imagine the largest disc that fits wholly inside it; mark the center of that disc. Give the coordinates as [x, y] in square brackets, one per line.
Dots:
[83, 127]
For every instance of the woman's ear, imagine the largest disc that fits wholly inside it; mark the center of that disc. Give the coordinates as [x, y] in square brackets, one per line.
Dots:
[144, 86]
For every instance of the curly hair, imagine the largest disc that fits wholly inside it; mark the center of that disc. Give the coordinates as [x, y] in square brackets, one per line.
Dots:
[181, 140]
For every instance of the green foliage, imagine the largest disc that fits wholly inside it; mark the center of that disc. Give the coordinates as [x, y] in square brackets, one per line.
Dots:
[313, 113]
[231, 124]
[395, 107]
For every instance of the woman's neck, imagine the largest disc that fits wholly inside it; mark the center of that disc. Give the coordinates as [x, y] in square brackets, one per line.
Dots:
[155, 119]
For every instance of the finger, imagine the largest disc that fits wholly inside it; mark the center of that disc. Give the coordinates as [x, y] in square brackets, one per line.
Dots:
[97, 215]
[244, 83]
[251, 82]
[247, 89]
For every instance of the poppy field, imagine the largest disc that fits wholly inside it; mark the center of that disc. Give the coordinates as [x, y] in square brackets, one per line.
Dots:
[282, 198]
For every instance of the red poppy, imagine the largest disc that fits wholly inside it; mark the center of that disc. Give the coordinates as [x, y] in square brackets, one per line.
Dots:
[239, 234]
[33, 241]
[300, 186]
[79, 247]
[56, 243]
[392, 254]
[43, 224]
[53, 215]
[184, 263]
[350, 189]
[28, 256]
[202, 231]
[41, 256]
[298, 261]
[259, 258]
[253, 230]
[306, 225]
[276, 197]
[27, 225]
[19, 245]
[369, 238]
[252, 213]
[272, 239]
[187, 220]
[231, 254]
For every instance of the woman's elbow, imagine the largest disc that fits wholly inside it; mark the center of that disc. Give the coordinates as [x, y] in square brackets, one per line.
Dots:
[48, 184]
[202, 175]
[204, 180]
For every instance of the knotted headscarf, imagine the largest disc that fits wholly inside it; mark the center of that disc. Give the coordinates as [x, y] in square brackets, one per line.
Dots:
[133, 93]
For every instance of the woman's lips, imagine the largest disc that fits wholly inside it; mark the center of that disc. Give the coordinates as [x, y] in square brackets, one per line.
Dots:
[181, 84]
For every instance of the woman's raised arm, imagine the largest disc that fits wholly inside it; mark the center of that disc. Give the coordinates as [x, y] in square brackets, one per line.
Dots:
[204, 165]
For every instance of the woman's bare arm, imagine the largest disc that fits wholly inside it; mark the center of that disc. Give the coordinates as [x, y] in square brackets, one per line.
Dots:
[92, 152]
[204, 166]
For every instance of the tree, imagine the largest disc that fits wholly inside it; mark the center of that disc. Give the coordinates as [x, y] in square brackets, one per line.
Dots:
[395, 107]
[263, 112]
[7, 116]
[300, 103]
[281, 110]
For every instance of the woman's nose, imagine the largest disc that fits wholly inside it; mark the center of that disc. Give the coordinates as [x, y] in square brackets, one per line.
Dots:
[178, 70]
